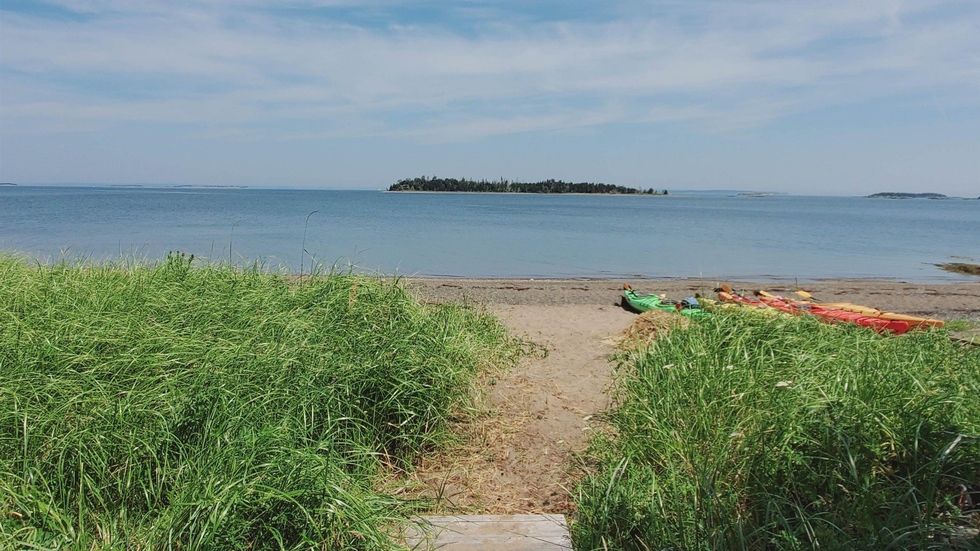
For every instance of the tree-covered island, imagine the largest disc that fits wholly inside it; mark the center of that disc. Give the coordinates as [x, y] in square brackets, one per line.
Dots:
[505, 186]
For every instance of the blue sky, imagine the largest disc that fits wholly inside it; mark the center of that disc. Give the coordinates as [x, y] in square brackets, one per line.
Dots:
[830, 97]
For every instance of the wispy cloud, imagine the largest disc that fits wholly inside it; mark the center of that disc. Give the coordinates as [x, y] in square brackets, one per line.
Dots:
[295, 69]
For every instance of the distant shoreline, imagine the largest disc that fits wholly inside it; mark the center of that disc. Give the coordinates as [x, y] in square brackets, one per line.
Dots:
[903, 195]
[521, 193]
[680, 192]
[544, 187]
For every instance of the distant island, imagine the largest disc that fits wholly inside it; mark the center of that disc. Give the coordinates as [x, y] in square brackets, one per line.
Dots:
[209, 186]
[7, 184]
[897, 195]
[505, 186]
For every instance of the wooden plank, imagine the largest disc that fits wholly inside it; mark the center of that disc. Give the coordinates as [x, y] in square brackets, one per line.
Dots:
[498, 532]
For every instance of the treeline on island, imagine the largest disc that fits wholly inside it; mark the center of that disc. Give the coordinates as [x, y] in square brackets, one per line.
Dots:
[424, 183]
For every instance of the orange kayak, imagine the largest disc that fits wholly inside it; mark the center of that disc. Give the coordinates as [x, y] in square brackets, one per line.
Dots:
[831, 312]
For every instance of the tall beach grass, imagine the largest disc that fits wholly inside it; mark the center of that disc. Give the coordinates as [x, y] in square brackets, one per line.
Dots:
[751, 432]
[184, 407]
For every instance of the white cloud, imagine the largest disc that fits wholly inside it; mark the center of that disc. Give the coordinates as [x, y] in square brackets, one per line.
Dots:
[229, 66]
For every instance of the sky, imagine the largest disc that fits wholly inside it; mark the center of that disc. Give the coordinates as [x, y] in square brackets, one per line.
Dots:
[828, 97]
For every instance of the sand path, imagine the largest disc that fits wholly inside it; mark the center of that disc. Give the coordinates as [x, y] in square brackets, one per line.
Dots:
[518, 454]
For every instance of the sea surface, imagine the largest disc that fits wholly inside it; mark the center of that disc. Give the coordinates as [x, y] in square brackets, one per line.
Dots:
[694, 234]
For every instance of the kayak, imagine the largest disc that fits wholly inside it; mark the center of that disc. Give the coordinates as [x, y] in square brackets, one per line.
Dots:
[913, 321]
[644, 303]
[833, 315]
[897, 327]
[731, 297]
[735, 301]
[824, 312]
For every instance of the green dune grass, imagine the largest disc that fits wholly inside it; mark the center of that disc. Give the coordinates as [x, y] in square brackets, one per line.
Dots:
[751, 432]
[205, 407]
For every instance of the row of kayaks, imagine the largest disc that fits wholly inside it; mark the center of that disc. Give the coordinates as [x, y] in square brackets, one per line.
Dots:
[806, 305]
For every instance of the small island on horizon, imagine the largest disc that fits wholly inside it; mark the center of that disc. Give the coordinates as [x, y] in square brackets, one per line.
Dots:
[435, 184]
[899, 195]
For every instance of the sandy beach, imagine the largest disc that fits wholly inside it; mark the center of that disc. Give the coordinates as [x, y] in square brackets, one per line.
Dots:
[520, 452]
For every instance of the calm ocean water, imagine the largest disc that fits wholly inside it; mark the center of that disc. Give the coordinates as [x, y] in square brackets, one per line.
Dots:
[681, 235]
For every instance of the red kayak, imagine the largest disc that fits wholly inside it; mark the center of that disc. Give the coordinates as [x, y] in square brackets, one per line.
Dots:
[829, 315]
[833, 315]
[878, 324]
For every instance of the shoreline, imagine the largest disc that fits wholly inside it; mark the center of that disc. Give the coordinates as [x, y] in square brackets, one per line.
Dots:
[748, 280]
[941, 277]
[959, 300]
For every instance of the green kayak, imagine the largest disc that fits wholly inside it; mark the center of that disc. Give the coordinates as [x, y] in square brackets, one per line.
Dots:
[643, 303]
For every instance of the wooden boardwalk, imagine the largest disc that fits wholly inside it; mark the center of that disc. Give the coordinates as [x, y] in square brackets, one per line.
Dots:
[497, 532]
